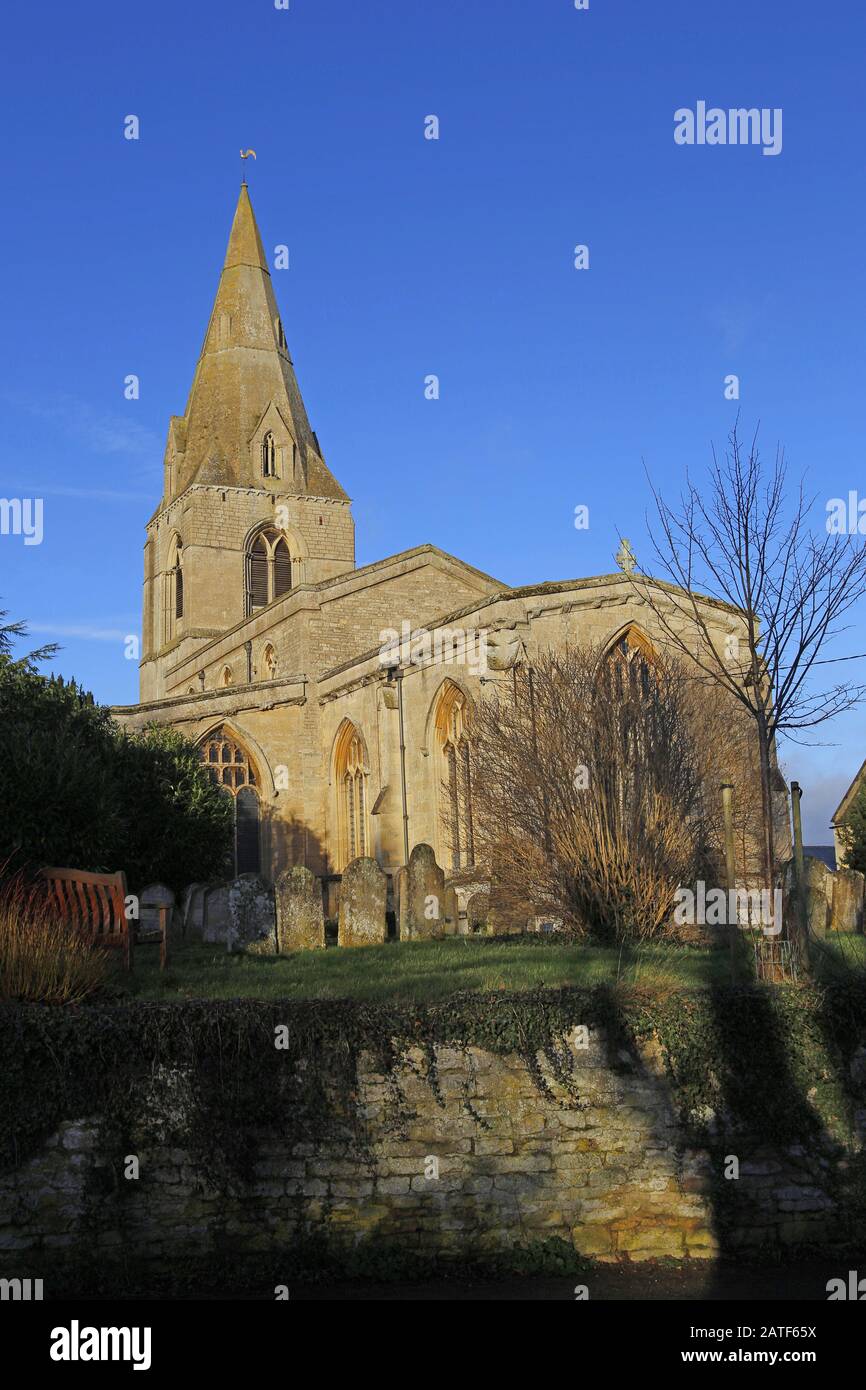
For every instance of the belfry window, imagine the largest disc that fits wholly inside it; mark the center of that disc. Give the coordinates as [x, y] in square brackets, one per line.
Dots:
[269, 569]
[178, 583]
[269, 456]
[173, 595]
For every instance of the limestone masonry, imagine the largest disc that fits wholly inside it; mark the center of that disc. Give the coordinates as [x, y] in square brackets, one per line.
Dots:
[484, 1162]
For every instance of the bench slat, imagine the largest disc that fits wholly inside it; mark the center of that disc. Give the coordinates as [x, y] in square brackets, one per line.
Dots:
[93, 903]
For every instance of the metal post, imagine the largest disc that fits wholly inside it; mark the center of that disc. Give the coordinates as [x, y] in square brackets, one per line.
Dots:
[801, 936]
[730, 866]
[399, 678]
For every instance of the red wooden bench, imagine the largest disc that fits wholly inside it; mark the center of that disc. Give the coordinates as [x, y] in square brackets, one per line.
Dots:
[94, 904]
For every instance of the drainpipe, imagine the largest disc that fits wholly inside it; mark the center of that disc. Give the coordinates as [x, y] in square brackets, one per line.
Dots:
[248, 647]
[395, 674]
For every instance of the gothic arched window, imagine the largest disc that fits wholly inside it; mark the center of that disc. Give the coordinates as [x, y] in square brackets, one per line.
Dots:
[269, 456]
[629, 680]
[174, 595]
[232, 769]
[178, 582]
[350, 776]
[269, 568]
[632, 658]
[269, 663]
[455, 798]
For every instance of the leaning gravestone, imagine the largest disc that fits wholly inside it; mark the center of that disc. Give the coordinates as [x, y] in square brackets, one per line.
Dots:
[849, 889]
[252, 919]
[363, 902]
[422, 896]
[300, 915]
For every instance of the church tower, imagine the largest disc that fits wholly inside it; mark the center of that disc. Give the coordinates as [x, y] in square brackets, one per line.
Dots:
[249, 509]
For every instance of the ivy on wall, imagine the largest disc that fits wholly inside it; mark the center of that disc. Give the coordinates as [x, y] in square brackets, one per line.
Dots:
[776, 1064]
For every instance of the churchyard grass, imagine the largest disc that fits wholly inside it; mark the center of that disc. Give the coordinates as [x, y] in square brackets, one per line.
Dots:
[838, 954]
[422, 971]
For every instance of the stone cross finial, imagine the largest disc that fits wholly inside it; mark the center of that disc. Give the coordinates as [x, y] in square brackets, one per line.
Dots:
[625, 556]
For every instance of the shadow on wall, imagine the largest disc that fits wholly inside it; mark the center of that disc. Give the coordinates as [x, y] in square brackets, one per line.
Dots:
[760, 1174]
[286, 843]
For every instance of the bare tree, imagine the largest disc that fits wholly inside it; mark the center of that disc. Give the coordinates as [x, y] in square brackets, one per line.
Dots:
[739, 539]
[589, 790]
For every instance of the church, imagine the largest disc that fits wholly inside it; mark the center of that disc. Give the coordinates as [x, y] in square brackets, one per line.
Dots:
[332, 702]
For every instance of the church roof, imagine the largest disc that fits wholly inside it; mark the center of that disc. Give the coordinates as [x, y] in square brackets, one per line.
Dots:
[847, 800]
[245, 374]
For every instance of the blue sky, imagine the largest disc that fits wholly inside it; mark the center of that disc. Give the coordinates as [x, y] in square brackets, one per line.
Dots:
[411, 256]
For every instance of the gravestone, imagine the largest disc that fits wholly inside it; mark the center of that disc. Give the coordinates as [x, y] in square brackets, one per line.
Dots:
[849, 889]
[819, 891]
[422, 896]
[455, 925]
[504, 918]
[300, 915]
[150, 900]
[193, 911]
[252, 918]
[215, 913]
[363, 902]
[477, 910]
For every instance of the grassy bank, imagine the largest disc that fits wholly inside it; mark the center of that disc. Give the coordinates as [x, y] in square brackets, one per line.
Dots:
[421, 971]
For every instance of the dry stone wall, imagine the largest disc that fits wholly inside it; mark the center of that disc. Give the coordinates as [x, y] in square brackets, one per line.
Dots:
[483, 1156]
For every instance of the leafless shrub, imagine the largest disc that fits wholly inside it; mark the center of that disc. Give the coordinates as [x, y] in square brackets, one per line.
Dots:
[594, 786]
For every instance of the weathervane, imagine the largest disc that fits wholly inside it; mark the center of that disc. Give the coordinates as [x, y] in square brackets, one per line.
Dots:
[245, 154]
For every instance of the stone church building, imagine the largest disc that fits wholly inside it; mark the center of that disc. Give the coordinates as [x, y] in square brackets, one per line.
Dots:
[263, 641]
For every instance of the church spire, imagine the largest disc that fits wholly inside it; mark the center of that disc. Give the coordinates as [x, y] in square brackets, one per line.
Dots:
[245, 388]
[245, 244]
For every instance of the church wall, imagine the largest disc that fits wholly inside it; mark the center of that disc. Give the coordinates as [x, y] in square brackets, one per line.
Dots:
[297, 740]
[355, 623]
[508, 620]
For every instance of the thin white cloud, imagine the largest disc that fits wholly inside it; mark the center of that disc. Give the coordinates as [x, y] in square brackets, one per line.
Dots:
[95, 494]
[82, 630]
[103, 432]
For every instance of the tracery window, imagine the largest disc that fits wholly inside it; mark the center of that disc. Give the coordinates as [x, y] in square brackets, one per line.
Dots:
[632, 658]
[452, 735]
[351, 784]
[234, 772]
[632, 665]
